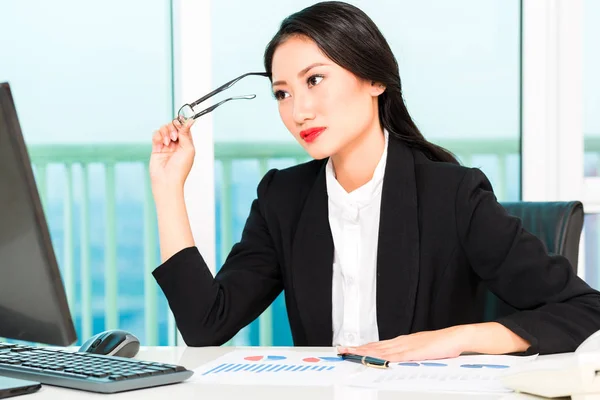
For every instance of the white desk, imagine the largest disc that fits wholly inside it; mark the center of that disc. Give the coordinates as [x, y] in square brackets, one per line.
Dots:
[194, 357]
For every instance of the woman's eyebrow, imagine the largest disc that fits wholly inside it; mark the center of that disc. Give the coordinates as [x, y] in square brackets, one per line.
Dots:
[304, 71]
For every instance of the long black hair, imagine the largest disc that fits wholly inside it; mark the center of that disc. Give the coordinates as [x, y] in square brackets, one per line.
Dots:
[346, 35]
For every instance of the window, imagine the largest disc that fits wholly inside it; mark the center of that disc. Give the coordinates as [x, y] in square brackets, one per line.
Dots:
[91, 82]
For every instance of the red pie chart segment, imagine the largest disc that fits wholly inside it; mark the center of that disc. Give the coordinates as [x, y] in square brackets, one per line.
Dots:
[265, 358]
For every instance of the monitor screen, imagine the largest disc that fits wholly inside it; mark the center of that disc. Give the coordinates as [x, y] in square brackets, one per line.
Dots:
[33, 304]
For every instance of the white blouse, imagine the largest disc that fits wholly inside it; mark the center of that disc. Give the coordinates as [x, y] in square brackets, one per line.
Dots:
[354, 223]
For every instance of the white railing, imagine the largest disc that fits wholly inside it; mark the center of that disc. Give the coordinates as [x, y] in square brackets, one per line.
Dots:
[110, 155]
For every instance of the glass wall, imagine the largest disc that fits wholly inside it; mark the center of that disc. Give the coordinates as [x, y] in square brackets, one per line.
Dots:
[591, 130]
[91, 81]
[460, 66]
[591, 86]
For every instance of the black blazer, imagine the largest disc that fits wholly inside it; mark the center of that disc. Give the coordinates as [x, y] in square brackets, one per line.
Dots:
[442, 238]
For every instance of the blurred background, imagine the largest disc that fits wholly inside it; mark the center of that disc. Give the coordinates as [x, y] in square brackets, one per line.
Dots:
[93, 80]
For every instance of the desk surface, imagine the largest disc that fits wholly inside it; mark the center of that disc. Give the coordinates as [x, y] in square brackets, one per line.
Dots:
[194, 357]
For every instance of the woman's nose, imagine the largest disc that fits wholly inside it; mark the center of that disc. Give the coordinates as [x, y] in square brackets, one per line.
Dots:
[303, 110]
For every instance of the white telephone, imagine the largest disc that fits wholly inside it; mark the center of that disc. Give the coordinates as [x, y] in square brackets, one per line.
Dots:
[571, 374]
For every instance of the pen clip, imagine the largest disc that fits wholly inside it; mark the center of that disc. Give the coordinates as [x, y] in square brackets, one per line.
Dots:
[368, 364]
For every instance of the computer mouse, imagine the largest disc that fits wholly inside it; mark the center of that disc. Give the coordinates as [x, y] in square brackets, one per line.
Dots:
[112, 343]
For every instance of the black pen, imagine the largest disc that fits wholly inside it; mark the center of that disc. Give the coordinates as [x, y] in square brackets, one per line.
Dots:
[365, 360]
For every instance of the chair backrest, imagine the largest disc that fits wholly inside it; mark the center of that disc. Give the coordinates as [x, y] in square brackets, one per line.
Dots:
[557, 224]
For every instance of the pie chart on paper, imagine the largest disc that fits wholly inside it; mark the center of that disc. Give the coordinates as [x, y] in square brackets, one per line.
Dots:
[319, 359]
[264, 358]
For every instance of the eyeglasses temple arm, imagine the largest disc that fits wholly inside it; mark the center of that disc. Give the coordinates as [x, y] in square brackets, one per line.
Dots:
[225, 86]
[209, 109]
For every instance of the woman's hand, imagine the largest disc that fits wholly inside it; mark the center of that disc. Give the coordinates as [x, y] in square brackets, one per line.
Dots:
[170, 163]
[430, 345]
[484, 338]
[172, 155]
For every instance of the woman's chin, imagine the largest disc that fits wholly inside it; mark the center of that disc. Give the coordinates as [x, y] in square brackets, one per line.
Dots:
[318, 152]
[318, 155]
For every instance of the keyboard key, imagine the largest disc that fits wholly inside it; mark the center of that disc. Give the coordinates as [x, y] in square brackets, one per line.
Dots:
[156, 372]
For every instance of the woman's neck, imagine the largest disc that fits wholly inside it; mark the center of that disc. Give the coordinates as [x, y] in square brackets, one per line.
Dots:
[355, 164]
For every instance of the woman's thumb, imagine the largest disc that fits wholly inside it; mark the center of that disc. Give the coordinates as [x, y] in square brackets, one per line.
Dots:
[185, 135]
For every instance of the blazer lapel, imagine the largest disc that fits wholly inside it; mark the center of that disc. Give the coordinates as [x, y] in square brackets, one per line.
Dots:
[312, 265]
[398, 245]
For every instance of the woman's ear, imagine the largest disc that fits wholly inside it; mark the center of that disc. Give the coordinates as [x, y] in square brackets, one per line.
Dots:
[377, 88]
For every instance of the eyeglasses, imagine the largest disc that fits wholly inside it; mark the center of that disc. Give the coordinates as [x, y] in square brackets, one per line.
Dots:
[187, 110]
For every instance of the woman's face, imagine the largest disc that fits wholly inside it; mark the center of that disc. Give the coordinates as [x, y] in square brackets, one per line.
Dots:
[323, 105]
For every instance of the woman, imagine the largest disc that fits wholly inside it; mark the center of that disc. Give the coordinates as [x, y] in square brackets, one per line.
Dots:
[383, 241]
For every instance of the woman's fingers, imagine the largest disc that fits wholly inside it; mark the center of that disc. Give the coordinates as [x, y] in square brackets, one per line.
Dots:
[176, 124]
[384, 344]
[157, 142]
[173, 130]
[166, 138]
[157, 138]
[176, 128]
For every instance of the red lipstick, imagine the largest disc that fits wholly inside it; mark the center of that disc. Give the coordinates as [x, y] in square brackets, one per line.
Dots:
[309, 135]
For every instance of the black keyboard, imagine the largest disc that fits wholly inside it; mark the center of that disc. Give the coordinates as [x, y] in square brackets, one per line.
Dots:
[85, 371]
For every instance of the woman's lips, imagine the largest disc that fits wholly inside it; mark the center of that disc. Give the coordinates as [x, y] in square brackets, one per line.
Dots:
[309, 135]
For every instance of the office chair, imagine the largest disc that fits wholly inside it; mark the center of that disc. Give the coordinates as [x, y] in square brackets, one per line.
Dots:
[557, 224]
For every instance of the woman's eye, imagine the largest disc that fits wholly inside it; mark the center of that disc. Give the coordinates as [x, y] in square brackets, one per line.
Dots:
[311, 81]
[279, 95]
[314, 80]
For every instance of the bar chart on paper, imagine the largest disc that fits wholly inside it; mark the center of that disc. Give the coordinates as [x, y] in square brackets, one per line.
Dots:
[283, 368]
[264, 368]
[472, 373]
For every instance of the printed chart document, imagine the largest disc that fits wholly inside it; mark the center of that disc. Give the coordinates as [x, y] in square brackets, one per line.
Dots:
[272, 367]
[472, 373]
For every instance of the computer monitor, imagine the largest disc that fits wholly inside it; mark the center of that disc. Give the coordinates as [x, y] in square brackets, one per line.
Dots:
[33, 304]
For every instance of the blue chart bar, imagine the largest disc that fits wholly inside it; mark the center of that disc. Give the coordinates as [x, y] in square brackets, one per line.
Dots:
[263, 367]
[230, 367]
[493, 366]
[409, 364]
[216, 369]
[267, 368]
[434, 364]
